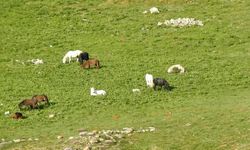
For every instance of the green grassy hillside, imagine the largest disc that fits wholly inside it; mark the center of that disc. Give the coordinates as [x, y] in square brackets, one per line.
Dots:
[208, 108]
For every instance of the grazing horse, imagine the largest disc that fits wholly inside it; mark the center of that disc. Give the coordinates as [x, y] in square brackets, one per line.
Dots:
[91, 62]
[83, 56]
[161, 83]
[17, 115]
[41, 98]
[71, 55]
[32, 103]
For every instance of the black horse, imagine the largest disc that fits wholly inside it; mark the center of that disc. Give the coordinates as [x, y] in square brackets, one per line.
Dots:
[83, 56]
[161, 83]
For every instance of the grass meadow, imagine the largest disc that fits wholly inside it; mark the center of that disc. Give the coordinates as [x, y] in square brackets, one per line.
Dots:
[209, 107]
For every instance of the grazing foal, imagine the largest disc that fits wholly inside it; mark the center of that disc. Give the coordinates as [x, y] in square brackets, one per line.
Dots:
[91, 62]
[17, 115]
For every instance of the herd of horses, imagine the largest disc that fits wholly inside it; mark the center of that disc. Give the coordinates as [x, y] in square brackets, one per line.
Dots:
[32, 103]
[86, 63]
[82, 58]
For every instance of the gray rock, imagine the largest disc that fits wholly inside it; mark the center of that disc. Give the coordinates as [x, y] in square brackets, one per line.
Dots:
[84, 133]
[151, 129]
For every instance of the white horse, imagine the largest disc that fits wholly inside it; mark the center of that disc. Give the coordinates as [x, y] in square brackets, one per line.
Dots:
[94, 92]
[149, 80]
[70, 55]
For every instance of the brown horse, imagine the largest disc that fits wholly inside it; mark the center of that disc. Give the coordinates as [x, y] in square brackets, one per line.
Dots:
[17, 115]
[41, 98]
[32, 103]
[91, 62]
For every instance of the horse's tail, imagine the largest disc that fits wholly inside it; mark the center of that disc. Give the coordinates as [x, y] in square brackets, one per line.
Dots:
[97, 64]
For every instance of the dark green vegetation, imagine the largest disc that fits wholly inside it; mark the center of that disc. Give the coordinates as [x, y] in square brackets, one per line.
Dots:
[208, 109]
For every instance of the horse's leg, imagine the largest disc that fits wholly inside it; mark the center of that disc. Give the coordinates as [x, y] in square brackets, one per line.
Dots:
[97, 64]
[69, 59]
[154, 87]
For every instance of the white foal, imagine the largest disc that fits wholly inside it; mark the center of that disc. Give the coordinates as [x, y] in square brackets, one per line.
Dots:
[94, 92]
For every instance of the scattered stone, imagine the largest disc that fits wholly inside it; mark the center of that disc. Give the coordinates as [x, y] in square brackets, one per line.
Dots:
[16, 140]
[102, 139]
[151, 129]
[90, 133]
[187, 124]
[51, 115]
[7, 112]
[119, 136]
[136, 90]
[36, 139]
[59, 137]
[87, 148]
[1, 104]
[181, 22]
[108, 141]
[71, 138]
[68, 148]
[154, 10]
[127, 130]
[93, 140]
[35, 61]
[3, 140]
[29, 139]
[159, 23]
[50, 46]
[22, 140]
[83, 133]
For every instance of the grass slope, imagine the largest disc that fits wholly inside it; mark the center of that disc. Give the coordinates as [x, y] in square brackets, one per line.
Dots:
[208, 109]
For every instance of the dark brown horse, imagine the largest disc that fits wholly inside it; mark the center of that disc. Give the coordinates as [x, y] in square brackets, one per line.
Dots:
[91, 62]
[17, 115]
[32, 103]
[41, 98]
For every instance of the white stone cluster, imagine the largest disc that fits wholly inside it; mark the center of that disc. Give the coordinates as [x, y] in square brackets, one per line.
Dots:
[36, 61]
[181, 22]
[32, 61]
[102, 139]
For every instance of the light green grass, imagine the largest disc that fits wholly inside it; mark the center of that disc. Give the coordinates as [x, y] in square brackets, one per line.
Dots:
[213, 96]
